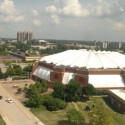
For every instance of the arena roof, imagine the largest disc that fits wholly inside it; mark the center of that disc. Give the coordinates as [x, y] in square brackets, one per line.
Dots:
[80, 60]
[87, 59]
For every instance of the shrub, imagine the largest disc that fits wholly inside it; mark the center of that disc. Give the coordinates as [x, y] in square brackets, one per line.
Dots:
[61, 104]
[44, 86]
[35, 100]
[59, 90]
[75, 117]
[101, 92]
[88, 90]
[25, 89]
[19, 90]
[53, 104]
[73, 91]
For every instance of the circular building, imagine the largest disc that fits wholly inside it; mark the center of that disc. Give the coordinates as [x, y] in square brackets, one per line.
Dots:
[102, 69]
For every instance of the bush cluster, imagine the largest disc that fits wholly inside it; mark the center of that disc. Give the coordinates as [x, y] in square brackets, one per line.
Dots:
[20, 78]
[35, 99]
[73, 91]
[101, 92]
[53, 104]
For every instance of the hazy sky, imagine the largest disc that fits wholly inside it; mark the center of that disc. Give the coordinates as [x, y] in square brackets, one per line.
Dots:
[64, 19]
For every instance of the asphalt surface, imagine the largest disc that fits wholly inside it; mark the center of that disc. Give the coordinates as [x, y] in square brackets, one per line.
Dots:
[15, 113]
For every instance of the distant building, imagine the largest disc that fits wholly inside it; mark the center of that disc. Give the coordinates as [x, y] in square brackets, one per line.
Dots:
[2, 42]
[105, 45]
[24, 36]
[9, 58]
[43, 42]
[19, 36]
[115, 45]
[32, 58]
[26, 57]
[99, 44]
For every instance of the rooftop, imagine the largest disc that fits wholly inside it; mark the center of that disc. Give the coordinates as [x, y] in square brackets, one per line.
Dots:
[87, 59]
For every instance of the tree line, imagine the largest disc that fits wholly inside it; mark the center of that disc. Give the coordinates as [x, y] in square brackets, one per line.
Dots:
[15, 70]
[73, 91]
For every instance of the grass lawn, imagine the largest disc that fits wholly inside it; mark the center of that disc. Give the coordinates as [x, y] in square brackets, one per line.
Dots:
[2, 121]
[58, 117]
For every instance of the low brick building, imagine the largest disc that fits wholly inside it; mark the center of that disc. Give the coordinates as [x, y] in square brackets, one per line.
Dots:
[117, 99]
[9, 58]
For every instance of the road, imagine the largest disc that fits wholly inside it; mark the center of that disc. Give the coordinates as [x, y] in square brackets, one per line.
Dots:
[15, 113]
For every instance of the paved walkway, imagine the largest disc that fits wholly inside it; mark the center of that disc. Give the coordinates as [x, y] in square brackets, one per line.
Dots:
[76, 107]
[15, 113]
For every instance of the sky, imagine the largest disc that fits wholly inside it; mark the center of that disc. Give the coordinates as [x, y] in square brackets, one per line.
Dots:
[64, 19]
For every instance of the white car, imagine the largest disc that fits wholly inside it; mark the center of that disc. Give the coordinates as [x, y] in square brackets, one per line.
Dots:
[9, 100]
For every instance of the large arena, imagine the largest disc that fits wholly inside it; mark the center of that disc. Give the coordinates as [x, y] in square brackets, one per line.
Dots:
[102, 69]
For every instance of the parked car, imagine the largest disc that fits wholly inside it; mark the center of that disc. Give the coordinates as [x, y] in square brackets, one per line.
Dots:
[9, 100]
[15, 86]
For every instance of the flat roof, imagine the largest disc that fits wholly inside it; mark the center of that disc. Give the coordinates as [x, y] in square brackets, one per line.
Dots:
[106, 81]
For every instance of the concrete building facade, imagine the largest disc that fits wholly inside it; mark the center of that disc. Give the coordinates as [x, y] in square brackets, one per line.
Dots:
[24, 36]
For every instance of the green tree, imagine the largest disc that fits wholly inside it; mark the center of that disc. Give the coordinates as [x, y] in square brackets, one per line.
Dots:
[73, 91]
[18, 71]
[35, 99]
[32, 88]
[44, 86]
[15, 70]
[75, 117]
[53, 104]
[100, 115]
[28, 68]
[88, 90]
[22, 47]
[59, 90]
[10, 71]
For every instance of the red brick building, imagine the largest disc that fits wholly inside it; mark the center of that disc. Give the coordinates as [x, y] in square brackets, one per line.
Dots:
[117, 98]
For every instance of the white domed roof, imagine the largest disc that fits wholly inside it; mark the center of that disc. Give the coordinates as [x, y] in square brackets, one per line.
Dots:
[87, 59]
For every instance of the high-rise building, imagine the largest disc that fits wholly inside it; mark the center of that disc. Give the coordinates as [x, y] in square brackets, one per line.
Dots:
[105, 45]
[19, 36]
[29, 36]
[24, 36]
